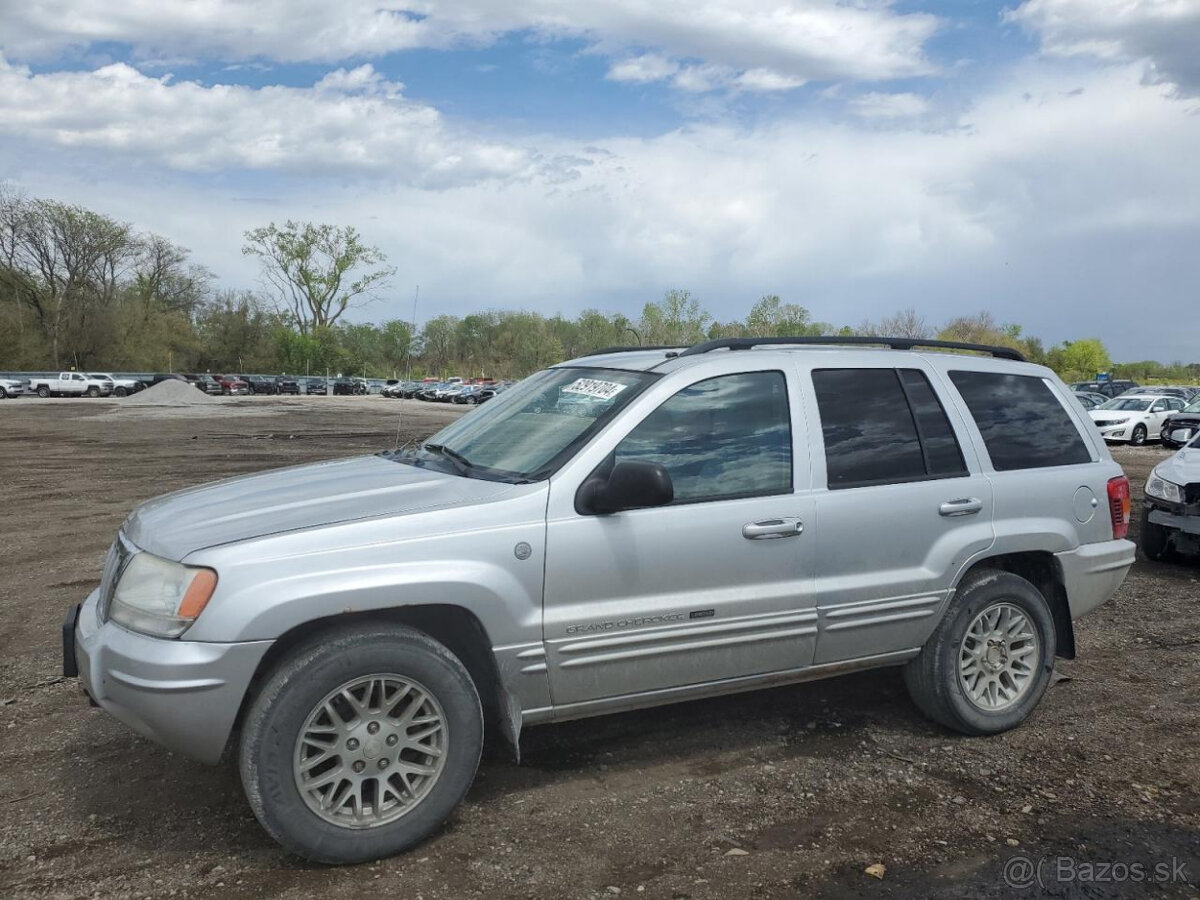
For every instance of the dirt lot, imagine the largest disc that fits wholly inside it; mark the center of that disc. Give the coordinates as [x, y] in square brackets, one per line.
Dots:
[791, 792]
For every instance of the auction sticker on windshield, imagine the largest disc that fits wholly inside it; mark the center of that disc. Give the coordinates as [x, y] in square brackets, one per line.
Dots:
[590, 387]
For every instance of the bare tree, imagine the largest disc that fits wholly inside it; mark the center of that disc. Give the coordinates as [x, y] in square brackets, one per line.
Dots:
[310, 270]
[906, 323]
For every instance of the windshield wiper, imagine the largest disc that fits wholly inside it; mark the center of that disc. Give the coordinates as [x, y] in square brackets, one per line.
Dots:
[460, 462]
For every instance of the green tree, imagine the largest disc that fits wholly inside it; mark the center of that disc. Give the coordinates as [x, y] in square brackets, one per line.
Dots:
[771, 317]
[677, 319]
[1079, 360]
[317, 272]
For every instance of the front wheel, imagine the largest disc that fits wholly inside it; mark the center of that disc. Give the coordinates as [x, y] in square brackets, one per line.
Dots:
[1139, 436]
[985, 667]
[361, 744]
[120, 392]
[1156, 540]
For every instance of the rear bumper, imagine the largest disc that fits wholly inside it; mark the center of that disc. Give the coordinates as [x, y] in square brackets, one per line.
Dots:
[184, 695]
[1093, 572]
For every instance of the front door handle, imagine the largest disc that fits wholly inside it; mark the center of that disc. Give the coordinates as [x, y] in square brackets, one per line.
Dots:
[771, 529]
[965, 506]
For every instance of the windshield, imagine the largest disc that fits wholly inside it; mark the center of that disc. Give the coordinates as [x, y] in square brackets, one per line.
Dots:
[1192, 407]
[1132, 404]
[527, 432]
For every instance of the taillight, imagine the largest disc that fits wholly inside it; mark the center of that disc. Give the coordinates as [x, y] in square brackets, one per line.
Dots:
[1119, 504]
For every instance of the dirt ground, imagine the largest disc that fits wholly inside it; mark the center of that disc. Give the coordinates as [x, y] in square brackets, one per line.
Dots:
[791, 792]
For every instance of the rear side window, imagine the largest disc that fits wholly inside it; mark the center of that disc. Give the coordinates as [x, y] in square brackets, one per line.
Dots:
[883, 426]
[1023, 424]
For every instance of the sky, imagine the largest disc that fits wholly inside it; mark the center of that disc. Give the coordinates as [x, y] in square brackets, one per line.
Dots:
[1039, 159]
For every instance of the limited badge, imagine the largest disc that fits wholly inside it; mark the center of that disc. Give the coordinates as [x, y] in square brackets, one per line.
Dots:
[522, 550]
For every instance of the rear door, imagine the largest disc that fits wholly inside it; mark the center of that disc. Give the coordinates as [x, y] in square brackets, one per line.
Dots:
[901, 503]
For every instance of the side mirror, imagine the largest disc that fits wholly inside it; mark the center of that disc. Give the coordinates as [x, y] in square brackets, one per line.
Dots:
[630, 485]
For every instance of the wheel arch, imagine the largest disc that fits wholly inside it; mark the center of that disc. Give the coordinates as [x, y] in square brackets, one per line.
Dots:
[455, 627]
[1043, 570]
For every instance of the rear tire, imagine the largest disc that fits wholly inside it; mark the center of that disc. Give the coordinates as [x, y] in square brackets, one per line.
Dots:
[1156, 540]
[292, 704]
[1138, 438]
[940, 680]
[43, 392]
[93, 392]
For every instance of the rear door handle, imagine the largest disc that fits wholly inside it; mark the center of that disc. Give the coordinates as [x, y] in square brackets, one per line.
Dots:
[771, 529]
[965, 506]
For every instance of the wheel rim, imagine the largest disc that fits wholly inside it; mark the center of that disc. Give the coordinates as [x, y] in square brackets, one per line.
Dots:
[1139, 435]
[370, 751]
[998, 657]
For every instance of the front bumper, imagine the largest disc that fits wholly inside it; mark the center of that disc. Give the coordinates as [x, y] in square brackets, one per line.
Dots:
[184, 695]
[1178, 516]
[1119, 432]
[1093, 572]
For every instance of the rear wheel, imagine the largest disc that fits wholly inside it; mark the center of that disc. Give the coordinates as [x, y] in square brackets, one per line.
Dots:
[93, 392]
[360, 744]
[1156, 540]
[1139, 436]
[988, 663]
[43, 392]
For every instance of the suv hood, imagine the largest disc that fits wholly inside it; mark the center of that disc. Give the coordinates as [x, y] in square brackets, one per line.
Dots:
[1183, 467]
[174, 525]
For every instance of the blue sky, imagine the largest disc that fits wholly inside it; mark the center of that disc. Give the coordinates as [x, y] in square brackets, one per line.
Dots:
[1035, 158]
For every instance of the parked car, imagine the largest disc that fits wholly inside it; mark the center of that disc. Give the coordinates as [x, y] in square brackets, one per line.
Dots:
[118, 386]
[468, 395]
[1089, 401]
[233, 385]
[1165, 391]
[725, 520]
[287, 384]
[348, 387]
[315, 386]
[159, 377]
[208, 383]
[11, 388]
[1107, 388]
[1134, 419]
[1171, 510]
[69, 384]
[260, 384]
[1179, 428]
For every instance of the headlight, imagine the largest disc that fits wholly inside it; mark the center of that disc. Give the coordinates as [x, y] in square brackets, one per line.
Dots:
[160, 597]
[1157, 486]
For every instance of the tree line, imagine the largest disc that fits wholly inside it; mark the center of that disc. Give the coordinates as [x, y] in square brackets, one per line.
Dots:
[79, 289]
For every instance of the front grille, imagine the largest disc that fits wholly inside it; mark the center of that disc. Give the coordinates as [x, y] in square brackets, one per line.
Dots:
[118, 557]
[1104, 423]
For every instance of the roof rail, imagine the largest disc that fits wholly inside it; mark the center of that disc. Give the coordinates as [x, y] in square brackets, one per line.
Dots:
[678, 347]
[746, 343]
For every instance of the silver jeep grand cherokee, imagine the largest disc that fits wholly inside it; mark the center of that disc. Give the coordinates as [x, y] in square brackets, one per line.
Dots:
[633, 528]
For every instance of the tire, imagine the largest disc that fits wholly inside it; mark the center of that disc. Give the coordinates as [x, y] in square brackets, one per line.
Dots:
[43, 392]
[93, 392]
[304, 684]
[1155, 540]
[935, 679]
[3, 394]
[1138, 438]
[120, 392]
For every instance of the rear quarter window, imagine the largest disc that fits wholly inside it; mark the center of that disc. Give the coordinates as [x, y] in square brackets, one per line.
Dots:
[1023, 424]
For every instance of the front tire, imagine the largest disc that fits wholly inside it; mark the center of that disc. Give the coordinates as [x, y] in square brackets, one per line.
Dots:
[988, 663]
[1138, 438]
[1156, 540]
[120, 392]
[361, 743]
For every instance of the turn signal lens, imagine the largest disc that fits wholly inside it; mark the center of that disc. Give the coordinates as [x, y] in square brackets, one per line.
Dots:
[1120, 504]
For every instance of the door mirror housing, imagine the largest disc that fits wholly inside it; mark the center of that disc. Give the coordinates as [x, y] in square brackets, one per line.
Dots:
[628, 485]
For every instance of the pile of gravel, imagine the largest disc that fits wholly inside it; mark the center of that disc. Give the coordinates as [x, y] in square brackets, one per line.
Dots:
[169, 393]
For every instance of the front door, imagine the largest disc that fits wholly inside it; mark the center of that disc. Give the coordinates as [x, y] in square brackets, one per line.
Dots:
[715, 585]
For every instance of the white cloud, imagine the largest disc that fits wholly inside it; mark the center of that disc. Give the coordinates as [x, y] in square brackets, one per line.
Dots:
[643, 69]
[889, 106]
[1057, 209]
[1165, 32]
[351, 121]
[780, 40]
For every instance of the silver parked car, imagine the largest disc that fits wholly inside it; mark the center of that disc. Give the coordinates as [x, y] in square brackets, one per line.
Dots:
[641, 527]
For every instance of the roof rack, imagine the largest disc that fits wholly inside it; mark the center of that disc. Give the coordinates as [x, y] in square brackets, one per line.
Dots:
[678, 347]
[746, 343]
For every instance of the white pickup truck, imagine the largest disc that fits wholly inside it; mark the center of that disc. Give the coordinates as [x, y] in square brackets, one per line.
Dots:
[72, 384]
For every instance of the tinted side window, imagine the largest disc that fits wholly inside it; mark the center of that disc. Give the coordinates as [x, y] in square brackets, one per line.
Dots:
[870, 436]
[725, 437]
[1022, 423]
[943, 456]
